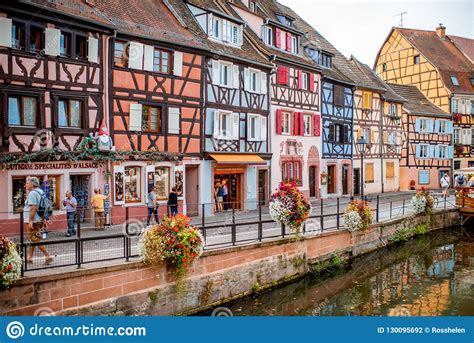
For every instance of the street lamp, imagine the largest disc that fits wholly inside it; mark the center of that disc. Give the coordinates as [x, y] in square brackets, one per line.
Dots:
[361, 145]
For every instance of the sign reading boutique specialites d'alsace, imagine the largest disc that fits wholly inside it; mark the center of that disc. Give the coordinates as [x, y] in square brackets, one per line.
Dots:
[53, 165]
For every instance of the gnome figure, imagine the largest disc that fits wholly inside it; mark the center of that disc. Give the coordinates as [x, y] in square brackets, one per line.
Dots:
[104, 141]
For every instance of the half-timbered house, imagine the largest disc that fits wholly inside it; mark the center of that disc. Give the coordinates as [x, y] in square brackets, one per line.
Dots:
[295, 94]
[236, 143]
[155, 70]
[377, 120]
[427, 150]
[441, 66]
[51, 98]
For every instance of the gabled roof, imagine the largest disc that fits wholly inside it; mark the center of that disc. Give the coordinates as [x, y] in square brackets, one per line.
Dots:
[466, 46]
[443, 55]
[374, 82]
[416, 102]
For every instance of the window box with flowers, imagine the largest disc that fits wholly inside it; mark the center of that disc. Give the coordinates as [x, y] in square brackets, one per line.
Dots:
[458, 148]
[457, 117]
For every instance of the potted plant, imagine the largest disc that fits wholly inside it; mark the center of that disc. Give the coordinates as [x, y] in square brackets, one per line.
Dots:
[175, 242]
[289, 206]
[10, 263]
[422, 201]
[358, 215]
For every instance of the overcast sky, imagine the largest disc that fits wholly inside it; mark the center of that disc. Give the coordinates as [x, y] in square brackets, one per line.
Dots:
[359, 27]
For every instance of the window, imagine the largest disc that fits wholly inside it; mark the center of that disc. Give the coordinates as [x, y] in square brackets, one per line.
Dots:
[338, 95]
[49, 184]
[162, 182]
[225, 125]
[392, 110]
[416, 59]
[307, 124]
[81, 47]
[119, 54]
[367, 101]
[254, 81]
[424, 125]
[151, 119]
[472, 82]
[384, 67]
[216, 27]
[455, 105]
[326, 60]
[472, 107]
[253, 127]
[286, 122]
[285, 20]
[252, 6]
[225, 74]
[305, 81]
[234, 36]
[267, 35]
[338, 133]
[472, 135]
[466, 137]
[36, 39]
[369, 172]
[454, 80]
[132, 184]
[457, 138]
[366, 134]
[392, 138]
[65, 44]
[22, 111]
[294, 44]
[443, 152]
[443, 126]
[161, 61]
[424, 151]
[424, 177]
[70, 113]
[390, 170]
[18, 35]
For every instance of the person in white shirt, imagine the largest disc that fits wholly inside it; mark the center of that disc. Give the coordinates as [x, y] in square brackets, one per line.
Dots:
[445, 183]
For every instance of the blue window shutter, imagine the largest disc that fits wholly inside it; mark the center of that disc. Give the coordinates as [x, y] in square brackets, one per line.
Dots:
[418, 151]
[431, 125]
[436, 151]
[417, 125]
[432, 151]
[450, 127]
[450, 150]
[436, 126]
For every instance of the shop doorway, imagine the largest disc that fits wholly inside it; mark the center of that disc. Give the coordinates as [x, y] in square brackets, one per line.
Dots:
[313, 181]
[345, 179]
[192, 191]
[234, 186]
[262, 187]
[332, 179]
[79, 185]
[356, 181]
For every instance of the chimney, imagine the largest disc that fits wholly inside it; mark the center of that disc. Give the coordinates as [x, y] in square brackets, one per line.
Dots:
[441, 31]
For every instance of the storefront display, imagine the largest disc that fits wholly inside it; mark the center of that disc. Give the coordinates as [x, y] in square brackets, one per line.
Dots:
[132, 184]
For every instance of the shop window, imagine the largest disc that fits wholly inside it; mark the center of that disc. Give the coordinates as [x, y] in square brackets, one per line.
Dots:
[119, 54]
[22, 111]
[50, 185]
[70, 113]
[151, 119]
[132, 184]
[369, 173]
[162, 182]
[390, 170]
[161, 61]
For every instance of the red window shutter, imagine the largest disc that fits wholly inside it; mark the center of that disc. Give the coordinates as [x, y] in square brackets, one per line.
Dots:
[300, 79]
[277, 38]
[317, 125]
[296, 126]
[301, 124]
[288, 41]
[311, 82]
[279, 121]
[286, 75]
[282, 78]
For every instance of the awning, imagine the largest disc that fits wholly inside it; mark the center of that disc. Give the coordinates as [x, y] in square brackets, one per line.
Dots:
[465, 171]
[237, 159]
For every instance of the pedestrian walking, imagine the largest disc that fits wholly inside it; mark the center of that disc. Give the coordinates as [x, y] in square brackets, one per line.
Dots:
[445, 183]
[70, 203]
[152, 206]
[173, 202]
[97, 203]
[219, 192]
[225, 195]
[34, 221]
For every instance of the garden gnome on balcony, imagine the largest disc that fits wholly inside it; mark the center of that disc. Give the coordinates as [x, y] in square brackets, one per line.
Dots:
[104, 141]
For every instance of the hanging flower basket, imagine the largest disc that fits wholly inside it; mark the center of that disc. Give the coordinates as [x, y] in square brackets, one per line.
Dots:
[457, 117]
[10, 263]
[175, 242]
[422, 202]
[459, 148]
[289, 206]
[358, 215]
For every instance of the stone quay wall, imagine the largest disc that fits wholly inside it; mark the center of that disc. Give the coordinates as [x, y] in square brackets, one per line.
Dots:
[218, 277]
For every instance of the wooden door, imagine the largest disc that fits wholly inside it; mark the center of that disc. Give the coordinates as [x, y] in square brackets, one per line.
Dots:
[331, 179]
[345, 179]
[192, 191]
[357, 181]
[312, 181]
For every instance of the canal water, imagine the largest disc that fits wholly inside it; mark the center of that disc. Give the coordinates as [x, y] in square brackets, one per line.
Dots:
[432, 275]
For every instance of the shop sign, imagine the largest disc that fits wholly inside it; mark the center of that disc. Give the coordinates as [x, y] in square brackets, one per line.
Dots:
[53, 165]
[229, 170]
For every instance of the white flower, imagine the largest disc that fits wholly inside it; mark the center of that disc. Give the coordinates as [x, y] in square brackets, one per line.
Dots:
[13, 258]
[419, 204]
[352, 220]
[279, 211]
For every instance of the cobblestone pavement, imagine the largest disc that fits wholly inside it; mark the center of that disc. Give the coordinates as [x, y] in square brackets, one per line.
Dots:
[218, 230]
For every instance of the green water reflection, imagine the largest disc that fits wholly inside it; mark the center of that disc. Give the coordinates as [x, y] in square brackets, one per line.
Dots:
[429, 276]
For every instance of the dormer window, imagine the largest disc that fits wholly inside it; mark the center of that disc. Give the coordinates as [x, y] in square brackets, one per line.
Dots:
[252, 6]
[225, 30]
[285, 20]
[267, 35]
[454, 80]
[326, 60]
